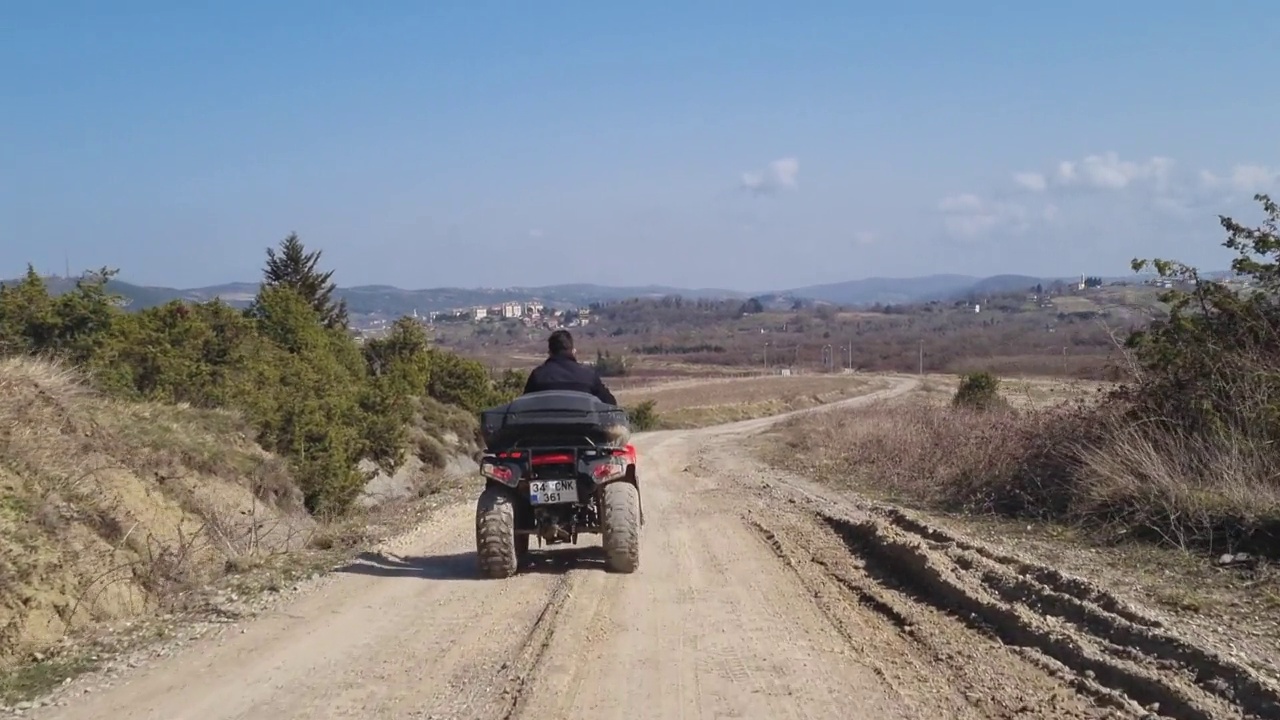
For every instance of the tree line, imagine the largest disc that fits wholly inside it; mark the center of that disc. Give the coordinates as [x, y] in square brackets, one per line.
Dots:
[289, 363]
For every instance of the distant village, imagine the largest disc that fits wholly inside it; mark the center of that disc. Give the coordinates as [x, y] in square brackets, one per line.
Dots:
[530, 314]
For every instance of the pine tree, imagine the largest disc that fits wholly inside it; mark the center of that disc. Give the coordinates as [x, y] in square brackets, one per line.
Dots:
[295, 268]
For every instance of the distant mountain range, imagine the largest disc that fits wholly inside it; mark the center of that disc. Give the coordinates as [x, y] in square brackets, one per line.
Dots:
[393, 301]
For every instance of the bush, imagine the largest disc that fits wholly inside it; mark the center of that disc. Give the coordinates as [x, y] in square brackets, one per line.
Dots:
[609, 366]
[460, 381]
[643, 416]
[979, 390]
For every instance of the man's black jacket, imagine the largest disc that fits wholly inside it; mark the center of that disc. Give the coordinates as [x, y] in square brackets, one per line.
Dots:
[563, 372]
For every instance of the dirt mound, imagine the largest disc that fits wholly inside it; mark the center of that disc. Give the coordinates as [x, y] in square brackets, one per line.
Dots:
[109, 509]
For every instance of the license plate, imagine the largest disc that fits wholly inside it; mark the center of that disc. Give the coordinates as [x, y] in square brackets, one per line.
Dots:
[550, 492]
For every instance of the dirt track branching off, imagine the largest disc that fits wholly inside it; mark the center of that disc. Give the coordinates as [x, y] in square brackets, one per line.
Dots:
[692, 404]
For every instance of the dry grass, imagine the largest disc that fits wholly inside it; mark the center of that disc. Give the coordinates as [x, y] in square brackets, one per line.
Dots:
[1147, 509]
[1023, 392]
[1077, 463]
[111, 510]
[686, 404]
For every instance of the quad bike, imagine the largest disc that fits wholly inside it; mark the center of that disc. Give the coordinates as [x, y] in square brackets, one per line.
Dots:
[557, 464]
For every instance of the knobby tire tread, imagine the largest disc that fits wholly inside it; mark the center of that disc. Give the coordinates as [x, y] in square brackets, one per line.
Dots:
[495, 534]
[620, 516]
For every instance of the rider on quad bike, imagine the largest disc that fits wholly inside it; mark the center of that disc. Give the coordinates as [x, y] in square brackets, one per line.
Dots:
[557, 463]
[562, 371]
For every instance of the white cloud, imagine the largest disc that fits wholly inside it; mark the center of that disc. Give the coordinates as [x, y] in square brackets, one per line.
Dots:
[967, 215]
[1108, 172]
[779, 175]
[964, 202]
[864, 238]
[1243, 178]
[536, 233]
[1096, 195]
[1031, 180]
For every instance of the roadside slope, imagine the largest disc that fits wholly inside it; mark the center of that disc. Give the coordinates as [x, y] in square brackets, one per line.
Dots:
[112, 510]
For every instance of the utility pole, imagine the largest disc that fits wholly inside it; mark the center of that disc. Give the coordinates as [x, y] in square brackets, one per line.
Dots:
[766, 358]
[921, 357]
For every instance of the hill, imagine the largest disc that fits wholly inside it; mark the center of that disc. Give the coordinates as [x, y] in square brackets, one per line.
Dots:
[888, 290]
[389, 301]
[394, 301]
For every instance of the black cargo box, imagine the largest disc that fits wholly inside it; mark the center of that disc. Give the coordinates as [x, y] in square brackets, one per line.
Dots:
[555, 417]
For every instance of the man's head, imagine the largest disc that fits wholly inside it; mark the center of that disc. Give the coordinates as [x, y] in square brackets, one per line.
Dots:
[560, 343]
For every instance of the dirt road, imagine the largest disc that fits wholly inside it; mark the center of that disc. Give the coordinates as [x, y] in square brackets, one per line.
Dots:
[754, 599]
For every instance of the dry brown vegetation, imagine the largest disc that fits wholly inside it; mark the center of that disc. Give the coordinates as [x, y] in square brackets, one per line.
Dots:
[694, 403]
[1187, 525]
[1063, 463]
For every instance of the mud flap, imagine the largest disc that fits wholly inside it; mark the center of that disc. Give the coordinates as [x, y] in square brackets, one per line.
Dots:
[635, 480]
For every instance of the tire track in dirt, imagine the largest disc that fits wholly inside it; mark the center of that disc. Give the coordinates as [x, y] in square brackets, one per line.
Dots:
[393, 635]
[920, 650]
[1146, 663]
[1091, 640]
[716, 628]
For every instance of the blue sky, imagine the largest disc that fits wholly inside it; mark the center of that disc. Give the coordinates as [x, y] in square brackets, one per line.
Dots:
[743, 144]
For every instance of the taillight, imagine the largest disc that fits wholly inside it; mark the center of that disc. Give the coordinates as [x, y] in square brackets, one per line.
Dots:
[552, 459]
[608, 471]
[494, 471]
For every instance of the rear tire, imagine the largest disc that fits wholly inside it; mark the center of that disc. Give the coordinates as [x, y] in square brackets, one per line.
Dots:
[620, 521]
[495, 534]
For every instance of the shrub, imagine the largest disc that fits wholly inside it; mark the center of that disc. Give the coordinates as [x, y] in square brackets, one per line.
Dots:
[609, 366]
[643, 416]
[460, 381]
[979, 390]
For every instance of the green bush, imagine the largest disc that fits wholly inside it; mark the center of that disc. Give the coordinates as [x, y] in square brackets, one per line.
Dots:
[978, 390]
[609, 366]
[1213, 365]
[643, 416]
